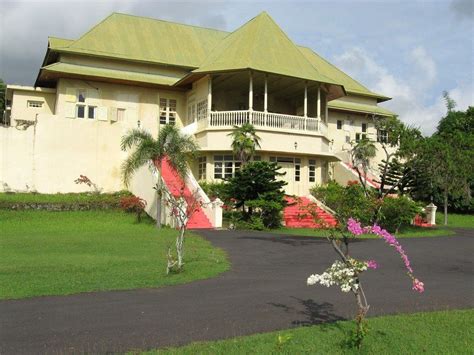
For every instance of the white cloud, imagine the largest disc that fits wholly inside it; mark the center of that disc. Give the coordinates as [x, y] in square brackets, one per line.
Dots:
[409, 94]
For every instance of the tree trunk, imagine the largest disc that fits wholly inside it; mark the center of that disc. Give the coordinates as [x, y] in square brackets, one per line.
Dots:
[158, 198]
[445, 207]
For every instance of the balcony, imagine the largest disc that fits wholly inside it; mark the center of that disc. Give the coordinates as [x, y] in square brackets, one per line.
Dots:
[264, 120]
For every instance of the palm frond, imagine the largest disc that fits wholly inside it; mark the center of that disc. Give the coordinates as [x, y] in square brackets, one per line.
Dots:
[134, 137]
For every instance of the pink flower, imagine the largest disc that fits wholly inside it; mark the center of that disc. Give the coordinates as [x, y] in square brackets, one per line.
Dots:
[372, 264]
[354, 227]
[418, 286]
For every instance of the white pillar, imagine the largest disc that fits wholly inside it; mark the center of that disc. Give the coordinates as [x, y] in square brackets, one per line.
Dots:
[209, 96]
[319, 103]
[305, 105]
[326, 110]
[265, 97]
[251, 92]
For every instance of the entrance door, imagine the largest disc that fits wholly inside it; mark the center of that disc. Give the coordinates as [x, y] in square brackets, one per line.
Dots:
[289, 177]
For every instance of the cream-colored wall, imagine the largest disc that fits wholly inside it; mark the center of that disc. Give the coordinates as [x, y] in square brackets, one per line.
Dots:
[277, 141]
[299, 188]
[20, 109]
[48, 156]
[359, 99]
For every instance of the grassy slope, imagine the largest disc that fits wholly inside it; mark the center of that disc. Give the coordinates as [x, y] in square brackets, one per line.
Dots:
[447, 332]
[57, 253]
[408, 232]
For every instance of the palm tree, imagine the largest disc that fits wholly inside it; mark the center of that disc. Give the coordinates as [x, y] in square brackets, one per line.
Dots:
[170, 144]
[362, 153]
[244, 141]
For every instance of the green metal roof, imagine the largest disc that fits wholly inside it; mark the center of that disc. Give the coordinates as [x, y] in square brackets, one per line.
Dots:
[326, 68]
[57, 43]
[356, 107]
[111, 73]
[261, 45]
[144, 39]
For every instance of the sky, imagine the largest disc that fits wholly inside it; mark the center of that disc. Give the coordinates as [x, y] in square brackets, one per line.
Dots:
[409, 50]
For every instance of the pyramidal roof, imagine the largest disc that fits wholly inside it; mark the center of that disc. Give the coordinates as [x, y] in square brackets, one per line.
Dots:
[261, 44]
[145, 39]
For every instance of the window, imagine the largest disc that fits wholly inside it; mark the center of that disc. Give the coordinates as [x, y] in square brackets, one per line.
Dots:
[364, 127]
[191, 112]
[339, 124]
[82, 109]
[120, 114]
[202, 168]
[91, 110]
[201, 110]
[360, 136]
[168, 111]
[297, 169]
[35, 104]
[225, 166]
[312, 170]
[382, 136]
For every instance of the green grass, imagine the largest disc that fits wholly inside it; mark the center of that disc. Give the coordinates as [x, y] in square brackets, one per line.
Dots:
[456, 220]
[407, 232]
[446, 332]
[59, 253]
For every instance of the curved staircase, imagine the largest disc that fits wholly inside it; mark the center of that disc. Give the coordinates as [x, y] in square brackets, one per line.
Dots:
[296, 214]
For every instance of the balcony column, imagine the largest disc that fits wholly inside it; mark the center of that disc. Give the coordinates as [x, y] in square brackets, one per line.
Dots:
[209, 98]
[319, 103]
[265, 100]
[250, 96]
[305, 104]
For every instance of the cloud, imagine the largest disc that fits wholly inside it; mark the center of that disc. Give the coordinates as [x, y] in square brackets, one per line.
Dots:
[463, 9]
[26, 25]
[410, 93]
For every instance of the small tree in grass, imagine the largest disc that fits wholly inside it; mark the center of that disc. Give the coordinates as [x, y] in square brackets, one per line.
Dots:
[346, 271]
[181, 209]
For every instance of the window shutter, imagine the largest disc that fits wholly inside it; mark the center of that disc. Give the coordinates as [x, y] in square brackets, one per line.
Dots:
[70, 95]
[70, 110]
[113, 114]
[102, 113]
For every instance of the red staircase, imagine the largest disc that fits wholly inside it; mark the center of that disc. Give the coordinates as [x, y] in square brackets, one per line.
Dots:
[175, 185]
[296, 215]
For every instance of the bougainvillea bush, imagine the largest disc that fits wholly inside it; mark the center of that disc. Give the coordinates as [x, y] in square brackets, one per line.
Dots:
[346, 272]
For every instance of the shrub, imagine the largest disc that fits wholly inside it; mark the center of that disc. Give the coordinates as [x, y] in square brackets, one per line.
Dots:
[347, 201]
[133, 204]
[257, 193]
[397, 212]
[213, 189]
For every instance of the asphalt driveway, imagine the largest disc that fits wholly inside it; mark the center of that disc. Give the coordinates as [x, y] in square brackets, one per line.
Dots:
[265, 290]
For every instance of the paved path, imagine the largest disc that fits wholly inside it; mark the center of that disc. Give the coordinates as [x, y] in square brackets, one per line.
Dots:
[264, 291]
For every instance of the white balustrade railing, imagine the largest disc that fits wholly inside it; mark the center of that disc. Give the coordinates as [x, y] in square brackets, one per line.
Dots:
[262, 119]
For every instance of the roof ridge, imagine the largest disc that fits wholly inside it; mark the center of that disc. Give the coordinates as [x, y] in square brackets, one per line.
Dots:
[172, 22]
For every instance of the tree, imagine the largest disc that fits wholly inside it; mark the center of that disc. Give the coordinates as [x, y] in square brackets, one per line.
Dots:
[2, 95]
[258, 193]
[361, 154]
[170, 144]
[244, 142]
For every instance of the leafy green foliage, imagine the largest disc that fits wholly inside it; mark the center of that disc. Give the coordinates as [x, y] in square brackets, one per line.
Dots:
[2, 95]
[397, 212]
[244, 142]
[170, 144]
[347, 201]
[69, 201]
[257, 192]
[213, 189]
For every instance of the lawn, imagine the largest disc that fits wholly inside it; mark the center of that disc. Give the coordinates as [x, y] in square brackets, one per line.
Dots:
[59, 253]
[456, 220]
[407, 232]
[446, 332]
